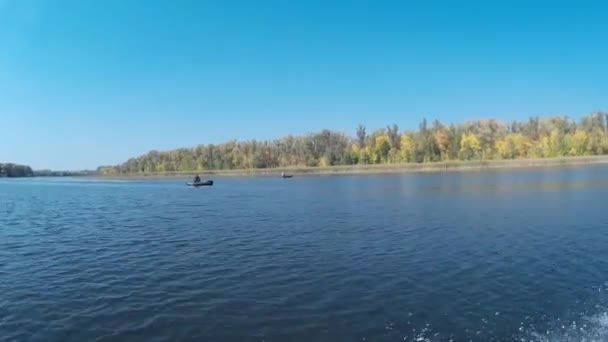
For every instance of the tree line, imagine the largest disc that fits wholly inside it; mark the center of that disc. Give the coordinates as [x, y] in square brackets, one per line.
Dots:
[15, 170]
[52, 173]
[557, 136]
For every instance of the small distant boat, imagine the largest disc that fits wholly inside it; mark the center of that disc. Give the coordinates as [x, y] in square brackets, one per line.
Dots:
[205, 183]
[286, 176]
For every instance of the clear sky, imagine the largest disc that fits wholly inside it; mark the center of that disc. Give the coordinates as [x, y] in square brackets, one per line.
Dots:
[89, 82]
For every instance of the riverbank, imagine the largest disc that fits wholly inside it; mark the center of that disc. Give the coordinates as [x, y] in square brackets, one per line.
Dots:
[449, 166]
[12, 170]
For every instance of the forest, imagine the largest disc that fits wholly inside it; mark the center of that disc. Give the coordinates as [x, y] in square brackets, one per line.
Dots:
[490, 139]
[52, 173]
[15, 170]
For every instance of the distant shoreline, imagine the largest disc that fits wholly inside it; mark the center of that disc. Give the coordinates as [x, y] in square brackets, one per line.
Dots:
[448, 166]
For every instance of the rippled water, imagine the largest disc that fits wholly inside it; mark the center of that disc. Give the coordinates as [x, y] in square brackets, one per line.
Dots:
[492, 256]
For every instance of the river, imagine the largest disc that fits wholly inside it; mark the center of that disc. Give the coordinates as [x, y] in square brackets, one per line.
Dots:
[479, 256]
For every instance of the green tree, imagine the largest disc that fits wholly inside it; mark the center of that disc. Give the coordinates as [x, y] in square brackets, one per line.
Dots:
[361, 136]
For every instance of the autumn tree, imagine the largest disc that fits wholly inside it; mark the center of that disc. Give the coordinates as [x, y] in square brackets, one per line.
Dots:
[482, 139]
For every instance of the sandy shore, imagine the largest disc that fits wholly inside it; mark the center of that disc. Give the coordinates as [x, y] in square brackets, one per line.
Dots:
[386, 168]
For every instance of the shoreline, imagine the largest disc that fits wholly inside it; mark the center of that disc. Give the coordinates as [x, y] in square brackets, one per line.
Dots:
[448, 166]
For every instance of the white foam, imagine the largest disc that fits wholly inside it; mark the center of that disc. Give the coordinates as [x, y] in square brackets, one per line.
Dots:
[589, 329]
[592, 328]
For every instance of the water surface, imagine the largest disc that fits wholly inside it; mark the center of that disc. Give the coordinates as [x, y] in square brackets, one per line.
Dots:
[481, 256]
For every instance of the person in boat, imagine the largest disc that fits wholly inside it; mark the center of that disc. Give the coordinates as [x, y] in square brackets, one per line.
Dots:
[197, 179]
[283, 174]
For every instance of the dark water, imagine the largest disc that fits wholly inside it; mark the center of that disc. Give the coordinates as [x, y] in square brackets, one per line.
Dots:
[494, 256]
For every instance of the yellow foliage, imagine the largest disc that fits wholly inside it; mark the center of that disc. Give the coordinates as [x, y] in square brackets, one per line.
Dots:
[323, 161]
[381, 148]
[394, 156]
[575, 144]
[514, 145]
[594, 141]
[405, 145]
[580, 142]
[545, 146]
[522, 145]
[470, 141]
[380, 139]
[556, 143]
[365, 156]
[535, 149]
[469, 147]
[502, 148]
[604, 143]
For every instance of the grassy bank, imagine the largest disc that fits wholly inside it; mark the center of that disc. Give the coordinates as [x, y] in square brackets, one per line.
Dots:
[388, 168]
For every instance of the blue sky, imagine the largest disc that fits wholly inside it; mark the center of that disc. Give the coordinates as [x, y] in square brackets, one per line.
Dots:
[87, 82]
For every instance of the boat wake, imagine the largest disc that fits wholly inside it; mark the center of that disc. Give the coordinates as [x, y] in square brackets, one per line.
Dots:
[588, 329]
